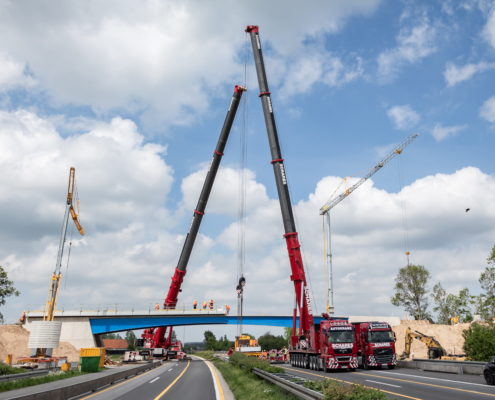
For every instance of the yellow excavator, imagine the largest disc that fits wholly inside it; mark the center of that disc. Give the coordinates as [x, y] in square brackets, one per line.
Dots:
[435, 349]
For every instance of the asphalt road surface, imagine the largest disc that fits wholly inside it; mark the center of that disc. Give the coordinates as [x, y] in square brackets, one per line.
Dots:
[173, 380]
[405, 383]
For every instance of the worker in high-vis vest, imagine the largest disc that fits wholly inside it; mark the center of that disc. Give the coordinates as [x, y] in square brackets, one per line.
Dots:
[285, 353]
[157, 306]
[227, 308]
[264, 354]
[211, 304]
[195, 304]
[204, 305]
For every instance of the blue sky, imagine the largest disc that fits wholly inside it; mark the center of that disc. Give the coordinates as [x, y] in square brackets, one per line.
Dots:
[135, 96]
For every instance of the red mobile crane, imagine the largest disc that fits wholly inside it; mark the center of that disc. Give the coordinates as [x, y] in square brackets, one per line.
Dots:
[331, 344]
[154, 338]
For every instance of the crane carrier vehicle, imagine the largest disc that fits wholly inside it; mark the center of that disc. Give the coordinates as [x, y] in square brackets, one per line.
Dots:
[333, 343]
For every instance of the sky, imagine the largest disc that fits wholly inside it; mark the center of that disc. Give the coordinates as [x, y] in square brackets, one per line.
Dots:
[134, 95]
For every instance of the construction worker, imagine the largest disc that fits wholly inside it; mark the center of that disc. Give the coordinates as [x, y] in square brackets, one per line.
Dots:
[204, 305]
[195, 304]
[157, 306]
[264, 354]
[227, 308]
[285, 354]
[23, 316]
[211, 304]
[230, 352]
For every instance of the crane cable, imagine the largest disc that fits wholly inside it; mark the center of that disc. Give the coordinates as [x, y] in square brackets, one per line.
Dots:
[241, 216]
[403, 207]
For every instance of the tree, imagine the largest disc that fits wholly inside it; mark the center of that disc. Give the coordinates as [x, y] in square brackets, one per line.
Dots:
[411, 285]
[459, 305]
[439, 296]
[7, 289]
[287, 334]
[269, 341]
[487, 281]
[479, 341]
[209, 334]
[130, 336]
[111, 336]
[251, 336]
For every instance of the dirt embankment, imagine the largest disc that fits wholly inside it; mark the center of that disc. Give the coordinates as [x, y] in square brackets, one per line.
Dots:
[14, 340]
[450, 337]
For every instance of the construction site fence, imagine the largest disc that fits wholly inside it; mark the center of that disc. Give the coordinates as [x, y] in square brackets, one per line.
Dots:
[92, 385]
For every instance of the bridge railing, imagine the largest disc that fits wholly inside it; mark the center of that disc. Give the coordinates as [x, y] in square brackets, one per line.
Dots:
[117, 307]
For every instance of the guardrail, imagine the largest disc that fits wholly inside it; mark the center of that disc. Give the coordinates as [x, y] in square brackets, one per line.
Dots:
[25, 375]
[78, 389]
[285, 382]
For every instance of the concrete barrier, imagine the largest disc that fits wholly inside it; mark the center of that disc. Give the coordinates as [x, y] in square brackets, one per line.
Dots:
[440, 366]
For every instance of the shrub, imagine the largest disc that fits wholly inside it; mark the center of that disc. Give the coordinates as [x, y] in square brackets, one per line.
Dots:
[249, 363]
[6, 369]
[479, 341]
[334, 390]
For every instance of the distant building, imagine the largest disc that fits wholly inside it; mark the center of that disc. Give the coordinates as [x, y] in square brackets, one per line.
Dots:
[115, 346]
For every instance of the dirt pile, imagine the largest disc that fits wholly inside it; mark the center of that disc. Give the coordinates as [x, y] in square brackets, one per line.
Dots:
[450, 337]
[14, 340]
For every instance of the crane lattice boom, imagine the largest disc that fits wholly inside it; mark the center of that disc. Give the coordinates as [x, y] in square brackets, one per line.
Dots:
[333, 202]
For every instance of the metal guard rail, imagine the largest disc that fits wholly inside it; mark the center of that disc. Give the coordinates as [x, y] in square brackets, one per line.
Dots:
[78, 389]
[25, 375]
[294, 388]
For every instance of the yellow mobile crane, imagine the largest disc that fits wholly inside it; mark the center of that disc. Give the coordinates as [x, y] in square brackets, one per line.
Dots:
[435, 349]
[57, 275]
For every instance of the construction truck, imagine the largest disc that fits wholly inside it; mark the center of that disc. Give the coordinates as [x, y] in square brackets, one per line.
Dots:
[248, 346]
[162, 337]
[435, 349]
[376, 345]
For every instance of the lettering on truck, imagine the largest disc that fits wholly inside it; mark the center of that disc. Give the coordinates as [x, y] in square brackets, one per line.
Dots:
[381, 344]
[379, 326]
[342, 345]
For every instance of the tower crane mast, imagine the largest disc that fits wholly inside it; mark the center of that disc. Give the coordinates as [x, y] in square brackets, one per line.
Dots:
[331, 203]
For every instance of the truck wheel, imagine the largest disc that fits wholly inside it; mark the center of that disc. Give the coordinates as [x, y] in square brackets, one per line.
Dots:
[489, 378]
[365, 364]
[325, 368]
[391, 367]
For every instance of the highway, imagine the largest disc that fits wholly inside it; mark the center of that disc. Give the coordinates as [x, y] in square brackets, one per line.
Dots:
[173, 380]
[405, 383]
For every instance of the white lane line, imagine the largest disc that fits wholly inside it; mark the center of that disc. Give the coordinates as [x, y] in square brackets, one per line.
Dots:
[436, 379]
[154, 380]
[381, 383]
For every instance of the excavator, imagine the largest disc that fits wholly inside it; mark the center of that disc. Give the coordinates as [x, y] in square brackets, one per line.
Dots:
[435, 349]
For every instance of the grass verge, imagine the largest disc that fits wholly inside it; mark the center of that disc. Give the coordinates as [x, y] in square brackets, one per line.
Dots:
[22, 383]
[244, 384]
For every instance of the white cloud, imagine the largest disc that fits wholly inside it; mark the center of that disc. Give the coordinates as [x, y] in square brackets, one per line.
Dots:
[440, 132]
[403, 117]
[489, 29]
[163, 60]
[12, 73]
[414, 44]
[487, 110]
[454, 74]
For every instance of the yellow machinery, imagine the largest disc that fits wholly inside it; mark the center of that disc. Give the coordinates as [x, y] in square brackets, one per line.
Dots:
[248, 346]
[435, 349]
[51, 301]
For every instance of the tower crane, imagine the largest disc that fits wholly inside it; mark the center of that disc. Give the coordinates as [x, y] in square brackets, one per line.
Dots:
[51, 301]
[325, 211]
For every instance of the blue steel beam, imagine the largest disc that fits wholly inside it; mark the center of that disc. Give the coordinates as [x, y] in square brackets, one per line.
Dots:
[108, 325]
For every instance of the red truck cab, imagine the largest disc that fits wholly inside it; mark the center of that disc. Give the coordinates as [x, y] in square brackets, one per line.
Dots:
[339, 349]
[376, 345]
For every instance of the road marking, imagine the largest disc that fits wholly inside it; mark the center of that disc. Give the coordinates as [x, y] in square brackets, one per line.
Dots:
[216, 383]
[128, 380]
[173, 383]
[154, 379]
[437, 379]
[381, 383]
[324, 377]
[429, 384]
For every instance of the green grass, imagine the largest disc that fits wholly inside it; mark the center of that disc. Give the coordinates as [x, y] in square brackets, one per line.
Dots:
[22, 383]
[6, 369]
[246, 385]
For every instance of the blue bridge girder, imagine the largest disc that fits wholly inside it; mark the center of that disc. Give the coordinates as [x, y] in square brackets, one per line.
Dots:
[109, 325]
